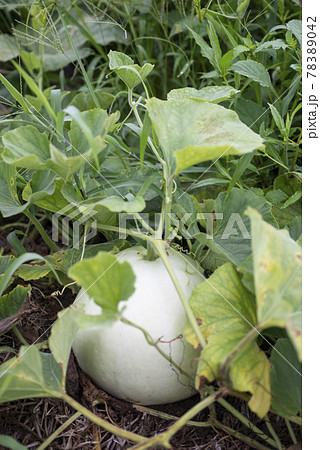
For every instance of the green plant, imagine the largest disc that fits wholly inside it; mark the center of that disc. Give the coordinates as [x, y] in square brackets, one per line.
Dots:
[164, 157]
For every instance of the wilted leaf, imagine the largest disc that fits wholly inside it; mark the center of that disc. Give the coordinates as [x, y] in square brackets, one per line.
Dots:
[277, 277]
[226, 312]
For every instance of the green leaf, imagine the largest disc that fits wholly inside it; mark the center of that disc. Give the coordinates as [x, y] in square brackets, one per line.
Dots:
[14, 265]
[206, 50]
[83, 101]
[8, 47]
[254, 71]
[117, 204]
[9, 200]
[62, 336]
[9, 442]
[191, 132]
[213, 94]
[286, 381]
[289, 185]
[52, 202]
[40, 186]
[276, 44]
[12, 302]
[296, 27]
[277, 277]
[31, 374]
[226, 313]
[250, 113]
[232, 236]
[105, 279]
[132, 74]
[277, 118]
[26, 147]
[242, 165]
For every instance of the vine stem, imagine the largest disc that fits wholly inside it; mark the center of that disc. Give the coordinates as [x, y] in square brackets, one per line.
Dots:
[291, 432]
[272, 432]
[41, 231]
[102, 423]
[58, 431]
[246, 422]
[153, 343]
[193, 322]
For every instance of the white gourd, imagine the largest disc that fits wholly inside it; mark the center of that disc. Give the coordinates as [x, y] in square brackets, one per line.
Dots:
[118, 357]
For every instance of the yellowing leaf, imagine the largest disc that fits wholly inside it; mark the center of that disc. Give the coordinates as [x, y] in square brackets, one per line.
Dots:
[227, 313]
[277, 278]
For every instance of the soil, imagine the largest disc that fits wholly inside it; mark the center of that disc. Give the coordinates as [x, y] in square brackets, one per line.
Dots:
[32, 421]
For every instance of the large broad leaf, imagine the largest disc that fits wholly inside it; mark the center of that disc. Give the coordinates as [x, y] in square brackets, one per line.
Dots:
[105, 278]
[51, 201]
[277, 278]
[132, 74]
[9, 201]
[254, 71]
[191, 132]
[213, 94]
[285, 377]
[31, 374]
[226, 312]
[232, 236]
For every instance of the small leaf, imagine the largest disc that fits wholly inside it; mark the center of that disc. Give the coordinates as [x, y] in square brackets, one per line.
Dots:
[105, 279]
[12, 302]
[132, 74]
[254, 71]
[9, 200]
[227, 313]
[286, 381]
[206, 50]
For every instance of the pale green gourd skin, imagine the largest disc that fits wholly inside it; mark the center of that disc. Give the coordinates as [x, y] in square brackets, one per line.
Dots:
[119, 359]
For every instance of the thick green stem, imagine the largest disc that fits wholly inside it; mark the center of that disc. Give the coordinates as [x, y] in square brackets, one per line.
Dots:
[102, 423]
[193, 322]
[41, 230]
